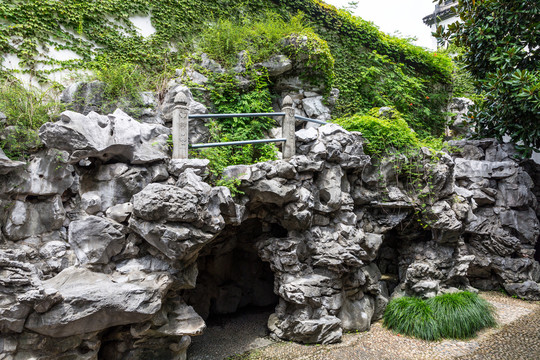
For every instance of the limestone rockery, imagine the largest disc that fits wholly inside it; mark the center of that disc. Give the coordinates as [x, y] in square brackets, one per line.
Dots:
[111, 250]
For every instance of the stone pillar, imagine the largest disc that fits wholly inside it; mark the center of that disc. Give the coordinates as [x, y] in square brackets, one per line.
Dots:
[180, 128]
[288, 128]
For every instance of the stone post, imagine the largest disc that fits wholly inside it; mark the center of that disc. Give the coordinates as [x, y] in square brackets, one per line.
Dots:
[180, 128]
[288, 128]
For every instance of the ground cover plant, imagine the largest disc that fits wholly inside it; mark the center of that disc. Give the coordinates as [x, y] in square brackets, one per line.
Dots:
[455, 316]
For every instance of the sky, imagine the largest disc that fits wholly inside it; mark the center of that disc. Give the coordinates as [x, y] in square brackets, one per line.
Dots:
[390, 16]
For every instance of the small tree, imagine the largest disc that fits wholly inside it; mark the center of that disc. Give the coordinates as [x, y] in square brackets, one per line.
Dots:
[501, 42]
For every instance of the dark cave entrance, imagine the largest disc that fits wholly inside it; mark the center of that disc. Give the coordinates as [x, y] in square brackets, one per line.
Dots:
[394, 257]
[234, 291]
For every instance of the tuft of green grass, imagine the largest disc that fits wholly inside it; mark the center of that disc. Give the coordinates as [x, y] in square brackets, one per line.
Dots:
[413, 317]
[456, 316]
[461, 315]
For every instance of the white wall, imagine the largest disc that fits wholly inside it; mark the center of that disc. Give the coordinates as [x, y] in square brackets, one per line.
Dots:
[142, 24]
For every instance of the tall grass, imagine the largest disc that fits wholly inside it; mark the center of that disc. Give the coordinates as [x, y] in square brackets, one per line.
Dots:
[455, 316]
[26, 109]
[413, 317]
[261, 36]
[461, 315]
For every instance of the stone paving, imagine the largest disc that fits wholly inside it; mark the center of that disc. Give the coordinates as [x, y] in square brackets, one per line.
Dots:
[516, 337]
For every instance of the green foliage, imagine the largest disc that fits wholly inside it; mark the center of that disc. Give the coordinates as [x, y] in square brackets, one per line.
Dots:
[228, 97]
[461, 315]
[501, 50]
[455, 316]
[100, 32]
[413, 317]
[232, 184]
[320, 62]
[26, 109]
[373, 69]
[384, 133]
[122, 80]
[261, 36]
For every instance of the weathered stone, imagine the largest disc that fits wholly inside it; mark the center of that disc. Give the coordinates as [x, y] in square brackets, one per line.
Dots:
[95, 240]
[120, 212]
[271, 192]
[106, 137]
[484, 169]
[45, 174]
[94, 301]
[357, 315]
[25, 219]
[7, 165]
[277, 65]
[117, 183]
[199, 166]
[165, 202]
[314, 107]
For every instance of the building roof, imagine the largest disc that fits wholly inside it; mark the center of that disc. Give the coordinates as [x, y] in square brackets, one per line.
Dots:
[442, 12]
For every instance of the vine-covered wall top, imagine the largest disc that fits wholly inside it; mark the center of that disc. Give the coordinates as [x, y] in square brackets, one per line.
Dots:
[371, 69]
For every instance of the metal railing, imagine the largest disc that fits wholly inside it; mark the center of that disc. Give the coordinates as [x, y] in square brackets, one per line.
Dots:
[180, 130]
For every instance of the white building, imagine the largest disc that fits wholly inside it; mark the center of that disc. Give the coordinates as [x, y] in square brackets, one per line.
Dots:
[443, 15]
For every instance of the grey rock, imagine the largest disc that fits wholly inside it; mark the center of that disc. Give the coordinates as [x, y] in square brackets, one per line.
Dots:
[277, 65]
[84, 97]
[271, 192]
[120, 212]
[165, 202]
[94, 301]
[527, 290]
[45, 174]
[95, 240]
[117, 183]
[25, 219]
[484, 169]
[314, 107]
[7, 165]
[178, 166]
[210, 64]
[116, 135]
[357, 314]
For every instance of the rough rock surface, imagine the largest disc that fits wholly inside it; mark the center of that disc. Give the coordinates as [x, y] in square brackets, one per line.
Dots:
[110, 250]
[106, 137]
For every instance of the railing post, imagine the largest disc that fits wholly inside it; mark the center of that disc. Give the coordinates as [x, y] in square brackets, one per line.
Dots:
[288, 128]
[180, 129]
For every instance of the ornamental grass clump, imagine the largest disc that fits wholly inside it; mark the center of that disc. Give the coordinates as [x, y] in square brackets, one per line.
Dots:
[455, 316]
[461, 315]
[413, 317]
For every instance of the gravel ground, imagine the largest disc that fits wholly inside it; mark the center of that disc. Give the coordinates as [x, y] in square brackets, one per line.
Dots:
[516, 337]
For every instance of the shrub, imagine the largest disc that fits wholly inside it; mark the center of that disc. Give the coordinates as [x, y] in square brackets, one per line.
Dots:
[382, 133]
[456, 316]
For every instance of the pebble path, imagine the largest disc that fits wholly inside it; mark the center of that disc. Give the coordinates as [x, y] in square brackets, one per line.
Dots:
[517, 337]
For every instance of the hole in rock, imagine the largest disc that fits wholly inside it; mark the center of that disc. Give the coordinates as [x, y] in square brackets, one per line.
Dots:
[537, 250]
[234, 292]
[388, 259]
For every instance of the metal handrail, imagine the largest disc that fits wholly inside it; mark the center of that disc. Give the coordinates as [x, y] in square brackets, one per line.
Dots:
[229, 143]
[310, 120]
[205, 116]
[180, 129]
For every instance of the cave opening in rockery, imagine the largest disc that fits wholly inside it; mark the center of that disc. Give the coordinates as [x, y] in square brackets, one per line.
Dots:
[234, 292]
